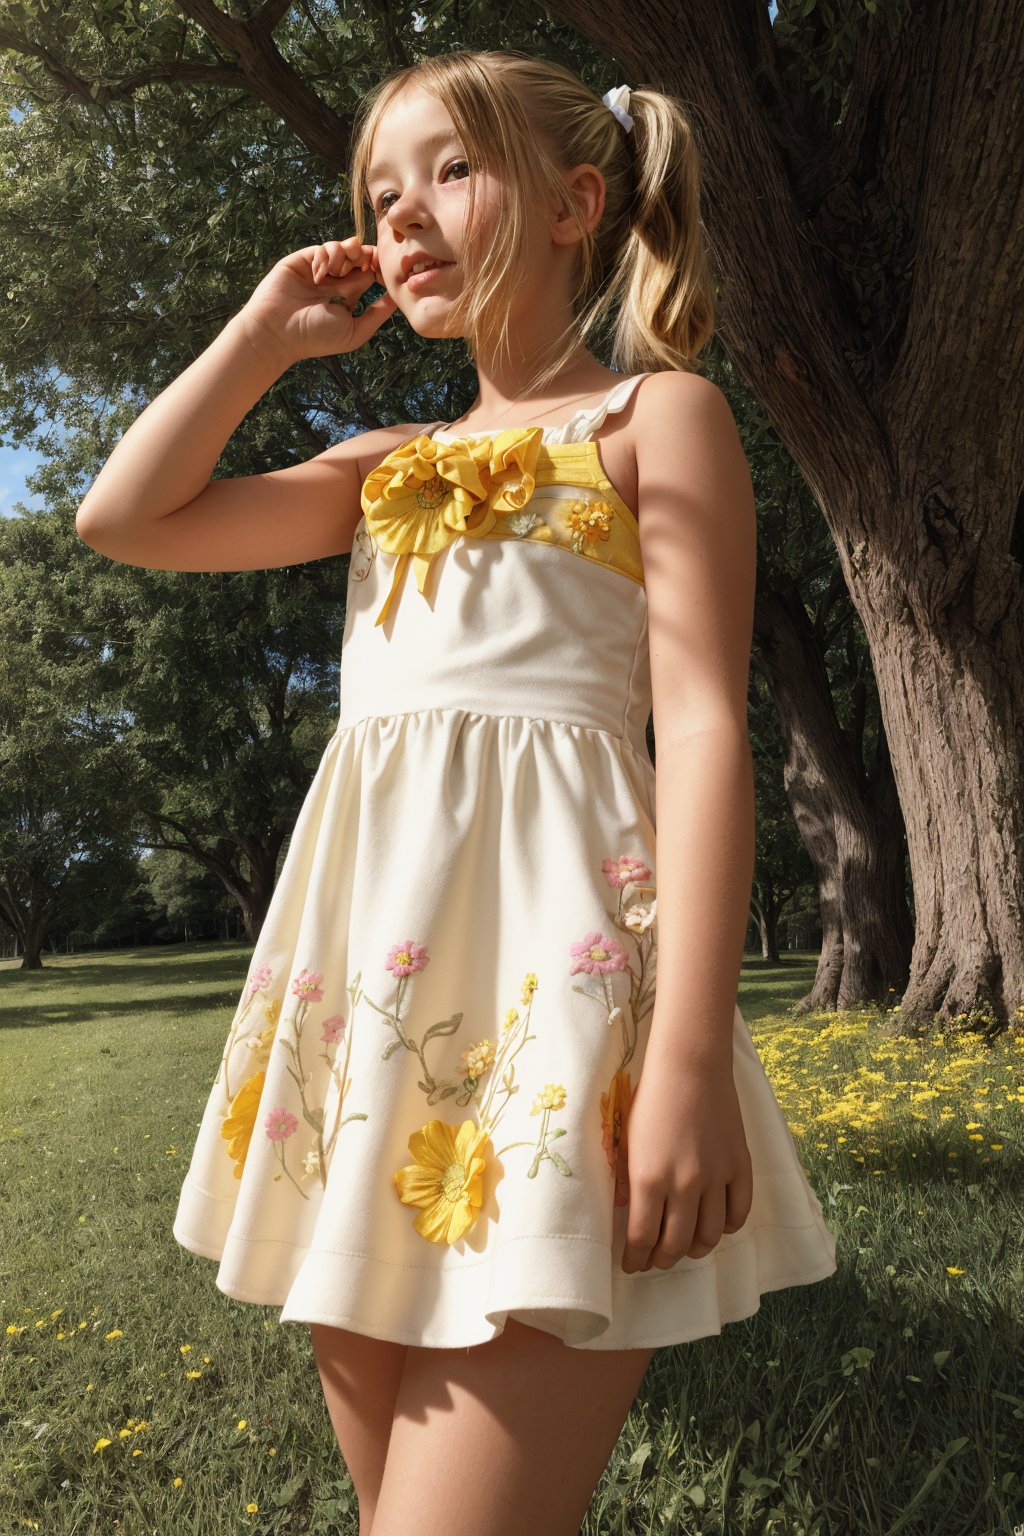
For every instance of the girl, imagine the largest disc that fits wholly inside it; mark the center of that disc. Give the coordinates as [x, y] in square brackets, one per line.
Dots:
[416, 1142]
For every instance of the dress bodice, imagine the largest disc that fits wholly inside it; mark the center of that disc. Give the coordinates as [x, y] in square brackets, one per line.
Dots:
[528, 596]
[546, 484]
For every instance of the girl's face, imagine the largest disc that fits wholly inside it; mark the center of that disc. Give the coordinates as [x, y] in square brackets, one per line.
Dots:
[418, 185]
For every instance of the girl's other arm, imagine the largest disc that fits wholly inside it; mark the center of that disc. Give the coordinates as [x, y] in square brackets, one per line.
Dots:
[698, 537]
[688, 1175]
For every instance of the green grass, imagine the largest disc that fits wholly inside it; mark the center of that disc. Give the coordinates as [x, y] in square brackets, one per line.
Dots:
[887, 1399]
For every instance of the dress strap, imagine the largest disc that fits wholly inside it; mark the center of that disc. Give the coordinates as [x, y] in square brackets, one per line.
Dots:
[581, 427]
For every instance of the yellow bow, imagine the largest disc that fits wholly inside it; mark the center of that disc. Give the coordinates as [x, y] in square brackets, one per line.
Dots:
[426, 493]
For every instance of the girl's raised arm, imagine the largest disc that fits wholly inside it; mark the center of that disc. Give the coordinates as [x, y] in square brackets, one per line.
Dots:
[154, 504]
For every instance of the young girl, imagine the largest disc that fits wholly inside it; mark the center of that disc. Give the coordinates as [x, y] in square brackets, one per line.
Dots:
[416, 1142]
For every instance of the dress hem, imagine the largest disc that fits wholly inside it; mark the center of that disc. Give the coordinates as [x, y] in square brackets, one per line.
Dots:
[764, 1280]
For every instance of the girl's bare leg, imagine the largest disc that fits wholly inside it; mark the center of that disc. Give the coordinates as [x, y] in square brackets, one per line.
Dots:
[360, 1377]
[508, 1438]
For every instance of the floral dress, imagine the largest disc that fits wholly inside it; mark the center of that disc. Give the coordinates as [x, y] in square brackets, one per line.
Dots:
[416, 1127]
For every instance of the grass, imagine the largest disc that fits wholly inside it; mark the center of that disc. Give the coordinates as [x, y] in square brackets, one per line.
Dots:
[137, 1398]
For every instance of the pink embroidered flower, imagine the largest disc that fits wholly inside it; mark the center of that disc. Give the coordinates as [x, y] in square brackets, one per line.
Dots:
[597, 953]
[260, 978]
[307, 985]
[405, 958]
[280, 1124]
[625, 871]
[334, 1028]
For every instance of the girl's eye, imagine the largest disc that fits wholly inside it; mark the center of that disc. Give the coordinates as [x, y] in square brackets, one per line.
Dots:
[383, 205]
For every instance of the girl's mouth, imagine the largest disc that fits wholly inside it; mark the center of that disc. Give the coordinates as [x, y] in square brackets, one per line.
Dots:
[417, 280]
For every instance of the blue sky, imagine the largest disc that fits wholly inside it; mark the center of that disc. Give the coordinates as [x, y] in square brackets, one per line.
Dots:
[17, 463]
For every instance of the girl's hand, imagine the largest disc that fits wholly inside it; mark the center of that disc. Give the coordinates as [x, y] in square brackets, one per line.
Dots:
[302, 308]
[684, 1166]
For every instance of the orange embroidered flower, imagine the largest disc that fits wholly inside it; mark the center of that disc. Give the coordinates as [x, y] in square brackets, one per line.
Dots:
[426, 493]
[614, 1116]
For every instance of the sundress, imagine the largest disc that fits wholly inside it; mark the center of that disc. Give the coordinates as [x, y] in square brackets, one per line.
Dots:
[415, 1126]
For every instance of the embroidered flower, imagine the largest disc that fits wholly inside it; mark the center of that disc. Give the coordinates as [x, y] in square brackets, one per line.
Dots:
[361, 558]
[552, 1096]
[445, 1180]
[639, 918]
[280, 1124]
[595, 953]
[307, 985]
[237, 1125]
[625, 871]
[334, 1029]
[260, 1044]
[260, 978]
[614, 1114]
[589, 520]
[426, 493]
[404, 959]
[511, 1020]
[522, 522]
[530, 985]
[477, 1058]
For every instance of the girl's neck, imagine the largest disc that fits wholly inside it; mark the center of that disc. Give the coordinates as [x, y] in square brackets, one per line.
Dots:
[565, 393]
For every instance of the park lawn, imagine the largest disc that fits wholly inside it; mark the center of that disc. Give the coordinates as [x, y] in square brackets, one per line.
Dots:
[136, 1398]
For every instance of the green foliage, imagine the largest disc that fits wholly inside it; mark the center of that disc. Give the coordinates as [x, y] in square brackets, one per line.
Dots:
[150, 709]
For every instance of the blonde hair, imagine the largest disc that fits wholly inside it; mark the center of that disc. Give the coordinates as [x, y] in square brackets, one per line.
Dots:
[529, 120]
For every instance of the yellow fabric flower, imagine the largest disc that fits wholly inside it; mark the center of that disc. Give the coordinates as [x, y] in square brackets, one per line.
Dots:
[237, 1125]
[446, 1179]
[426, 493]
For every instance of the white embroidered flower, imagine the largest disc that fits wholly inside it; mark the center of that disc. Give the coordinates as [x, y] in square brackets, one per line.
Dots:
[522, 522]
[639, 918]
[364, 548]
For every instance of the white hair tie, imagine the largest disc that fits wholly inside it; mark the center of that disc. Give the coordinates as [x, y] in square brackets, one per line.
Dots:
[617, 101]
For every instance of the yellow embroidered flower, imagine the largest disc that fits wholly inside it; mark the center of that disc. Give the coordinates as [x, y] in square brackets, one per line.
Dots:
[237, 1125]
[272, 1010]
[477, 1058]
[446, 1179]
[260, 1044]
[551, 1097]
[511, 1019]
[426, 493]
[530, 985]
[589, 519]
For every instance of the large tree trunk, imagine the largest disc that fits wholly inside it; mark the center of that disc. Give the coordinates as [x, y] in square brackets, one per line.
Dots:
[869, 264]
[953, 706]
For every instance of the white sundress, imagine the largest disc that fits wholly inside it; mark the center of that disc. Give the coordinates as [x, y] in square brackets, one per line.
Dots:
[414, 1128]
